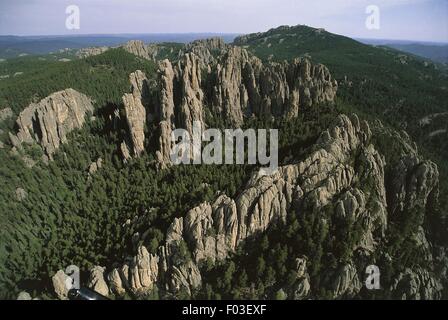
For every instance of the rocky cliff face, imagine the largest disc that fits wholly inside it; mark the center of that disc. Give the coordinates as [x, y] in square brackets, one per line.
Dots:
[343, 175]
[191, 95]
[243, 85]
[240, 85]
[135, 112]
[49, 121]
[140, 49]
[237, 86]
[166, 111]
[206, 50]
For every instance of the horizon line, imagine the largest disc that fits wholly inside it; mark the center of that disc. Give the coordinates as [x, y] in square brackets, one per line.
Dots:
[204, 33]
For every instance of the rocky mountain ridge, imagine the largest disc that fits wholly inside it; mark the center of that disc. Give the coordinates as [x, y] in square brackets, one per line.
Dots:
[344, 173]
[209, 76]
[136, 47]
[343, 181]
[236, 86]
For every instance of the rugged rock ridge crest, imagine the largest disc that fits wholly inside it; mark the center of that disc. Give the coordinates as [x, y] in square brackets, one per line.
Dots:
[344, 173]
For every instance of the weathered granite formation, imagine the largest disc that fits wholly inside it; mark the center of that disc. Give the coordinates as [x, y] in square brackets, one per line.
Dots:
[243, 85]
[213, 230]
[24, 296]
[60, 287]
[136, 47]
[140, 49]
[416, 284]
[135, 111]
[96, 281]
[5, 113]
[95, 166]
[238, 85]
[206, 49]
[301, 288]
[21, 194]
[49, 121]
[89, 52]
[343, 175]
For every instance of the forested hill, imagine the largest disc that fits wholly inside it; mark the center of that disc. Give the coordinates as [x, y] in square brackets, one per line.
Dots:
[401, 89]
[54, 214]
[353, 189]
[435, 52]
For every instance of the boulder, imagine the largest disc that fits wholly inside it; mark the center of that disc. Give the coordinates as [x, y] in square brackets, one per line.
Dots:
[5, 113]
[21, 194]
[61, 284]
[96, 281]
[24, 296]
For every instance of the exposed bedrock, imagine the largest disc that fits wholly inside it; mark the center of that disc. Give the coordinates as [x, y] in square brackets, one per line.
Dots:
[344, 175]
[49, 121]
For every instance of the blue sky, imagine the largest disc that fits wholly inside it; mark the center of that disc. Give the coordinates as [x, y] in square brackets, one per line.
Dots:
[425, 20]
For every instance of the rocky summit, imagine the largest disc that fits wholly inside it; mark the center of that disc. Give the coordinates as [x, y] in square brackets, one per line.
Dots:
[49, 121]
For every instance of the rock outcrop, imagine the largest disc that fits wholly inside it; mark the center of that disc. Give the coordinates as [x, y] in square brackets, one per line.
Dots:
[116, 278]
[166, 91]
[21, 194]
[213, 230]
[166, 111]
[143, 270]
[341, 182]
[24, 296]
[95, 166]
[206, 49]
[301, 288]
[238, 86]
[416, 284]
[96, 281]
[5, 113]
[136, 47]
[60, 280]
[412, 184]
[140, 49]
[163, 154]
[89, 52]
[345, 282]
[50, 121]
[188, 76]
[135, 111]
[243, 85]
[180, 101]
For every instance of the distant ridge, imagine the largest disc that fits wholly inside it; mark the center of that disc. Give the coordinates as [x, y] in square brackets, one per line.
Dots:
[12, 46]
